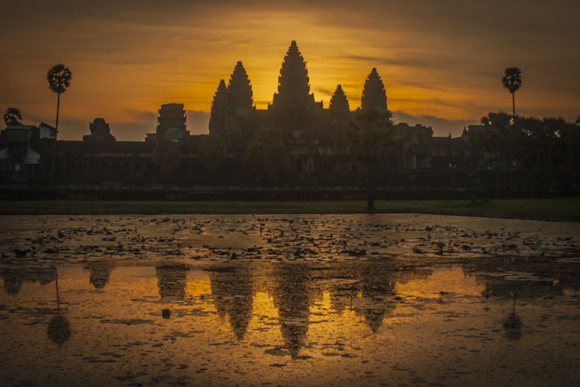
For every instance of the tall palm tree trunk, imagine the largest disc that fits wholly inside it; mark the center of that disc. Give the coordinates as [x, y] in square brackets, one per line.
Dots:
[371, 192]
[54, 147]
[514, 103]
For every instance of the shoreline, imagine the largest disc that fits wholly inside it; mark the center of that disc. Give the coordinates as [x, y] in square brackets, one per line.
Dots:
[559, 209]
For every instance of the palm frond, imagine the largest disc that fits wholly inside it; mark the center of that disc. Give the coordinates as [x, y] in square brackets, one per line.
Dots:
[12, 117]
[512, 79]
[59, 78]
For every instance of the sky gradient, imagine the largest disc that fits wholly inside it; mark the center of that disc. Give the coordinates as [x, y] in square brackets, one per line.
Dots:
[441, 61]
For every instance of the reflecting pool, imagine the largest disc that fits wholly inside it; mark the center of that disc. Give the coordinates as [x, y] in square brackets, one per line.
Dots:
[249, 323]
[337, 301]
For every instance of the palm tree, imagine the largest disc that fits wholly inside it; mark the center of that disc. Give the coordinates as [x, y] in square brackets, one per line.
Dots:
[512, 81]
[58, 327]
[58, 80]
[12, 117]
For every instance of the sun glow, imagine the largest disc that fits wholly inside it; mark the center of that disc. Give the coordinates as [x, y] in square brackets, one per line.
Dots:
[126, 67]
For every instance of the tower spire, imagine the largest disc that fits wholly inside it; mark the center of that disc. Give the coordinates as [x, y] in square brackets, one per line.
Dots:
[240, 95]
[293, 82]
[339, 102]
[374, 95]
[219, 108]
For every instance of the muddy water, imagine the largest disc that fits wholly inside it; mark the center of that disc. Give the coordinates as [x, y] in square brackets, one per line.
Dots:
[328, 300]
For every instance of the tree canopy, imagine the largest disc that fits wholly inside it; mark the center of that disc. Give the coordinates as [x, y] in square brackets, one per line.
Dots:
[166, 155]
[12, 117]
[59, 78]
[266, 152]
[212, 150]
[371, 133]
[547, 148]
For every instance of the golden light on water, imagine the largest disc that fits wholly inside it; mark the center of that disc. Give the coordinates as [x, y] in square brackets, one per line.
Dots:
[338, 335]
[198, 285]
[263, 305]
[446, 281]
[392, 318]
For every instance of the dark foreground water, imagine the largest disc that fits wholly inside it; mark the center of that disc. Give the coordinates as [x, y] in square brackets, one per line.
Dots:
[412, 313]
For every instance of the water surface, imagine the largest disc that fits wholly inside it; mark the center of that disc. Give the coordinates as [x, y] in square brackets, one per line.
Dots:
[308, 301]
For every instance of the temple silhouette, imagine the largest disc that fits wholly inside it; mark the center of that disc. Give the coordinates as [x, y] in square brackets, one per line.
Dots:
[296, 143]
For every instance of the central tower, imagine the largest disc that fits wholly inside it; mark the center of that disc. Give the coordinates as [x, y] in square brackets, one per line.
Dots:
[293, 82]
[293, 107]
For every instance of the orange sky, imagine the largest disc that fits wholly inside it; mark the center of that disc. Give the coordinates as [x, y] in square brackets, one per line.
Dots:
[441, 62]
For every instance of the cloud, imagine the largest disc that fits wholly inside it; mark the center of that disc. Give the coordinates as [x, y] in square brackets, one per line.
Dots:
[441, 126]
[326, 92]
[197, 122]
[141, 116]
[438, 59]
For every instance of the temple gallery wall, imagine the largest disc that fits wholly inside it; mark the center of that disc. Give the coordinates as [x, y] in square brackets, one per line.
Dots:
[296, 143]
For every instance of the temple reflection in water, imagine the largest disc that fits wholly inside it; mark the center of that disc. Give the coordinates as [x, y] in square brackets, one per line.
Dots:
[297, 295]
[214, 323]
[233, 291]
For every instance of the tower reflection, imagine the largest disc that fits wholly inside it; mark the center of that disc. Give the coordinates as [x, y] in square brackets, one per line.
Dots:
[293, 297]
[377, 284]
[232, 289]
[15, 277]
[100, 273]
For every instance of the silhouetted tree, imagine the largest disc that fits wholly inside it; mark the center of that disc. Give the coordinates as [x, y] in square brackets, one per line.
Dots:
[542, 153]
[512, 81]
[544, 148]
[166, 155]
[504, 141]
[569, 138]
[212, 150]
[370, 133]
[266, 153]
[12, 117]
[59, 78]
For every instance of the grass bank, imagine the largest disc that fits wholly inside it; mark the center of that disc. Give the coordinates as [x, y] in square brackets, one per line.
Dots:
[567, 209]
